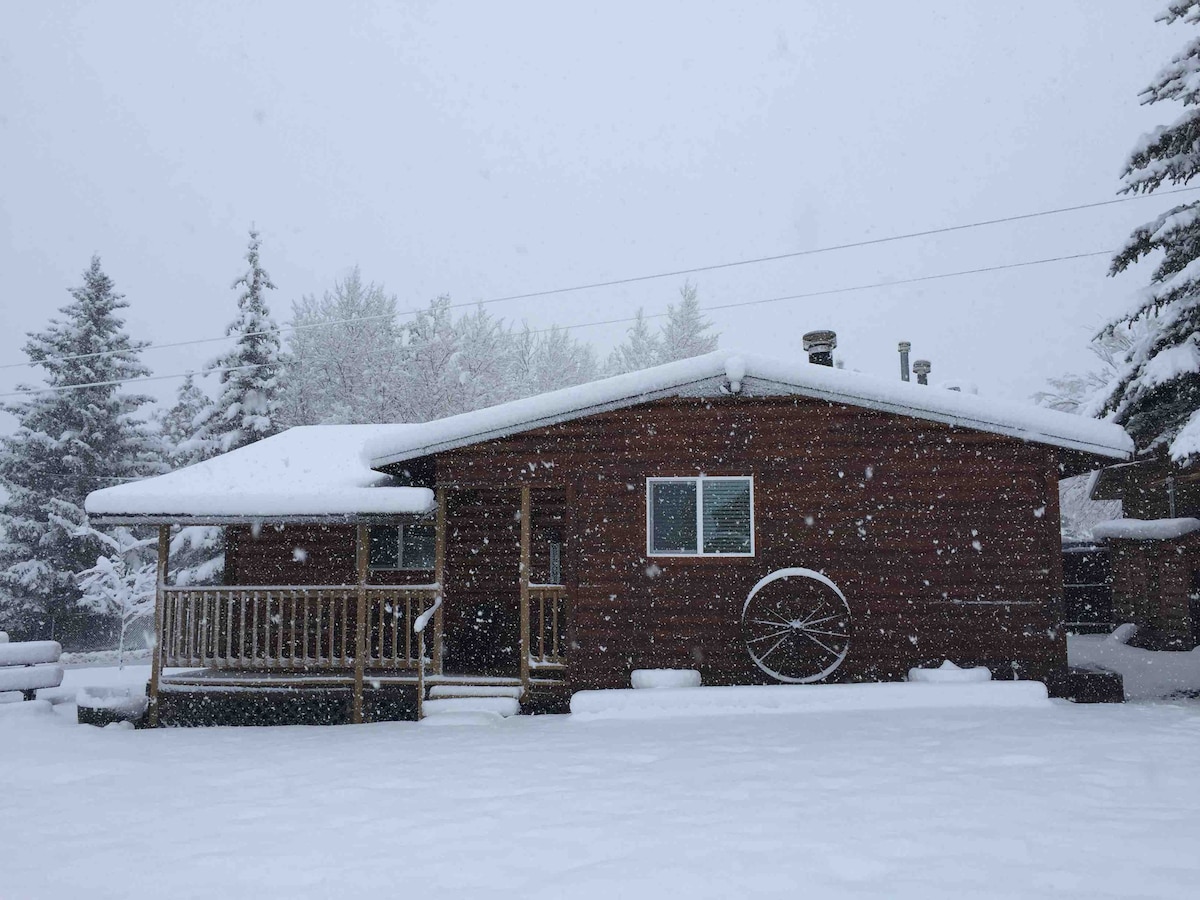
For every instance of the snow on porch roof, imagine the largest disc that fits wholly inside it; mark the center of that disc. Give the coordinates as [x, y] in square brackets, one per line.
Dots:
[310, 472]
[759, 376]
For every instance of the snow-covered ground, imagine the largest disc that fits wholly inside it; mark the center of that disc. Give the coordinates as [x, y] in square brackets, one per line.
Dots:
[1064, 801]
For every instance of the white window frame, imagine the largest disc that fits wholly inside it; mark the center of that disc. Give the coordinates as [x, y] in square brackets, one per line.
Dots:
[399, 562]
[698, 480]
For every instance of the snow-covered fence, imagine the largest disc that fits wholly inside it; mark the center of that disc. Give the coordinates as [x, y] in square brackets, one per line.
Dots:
[29, 665]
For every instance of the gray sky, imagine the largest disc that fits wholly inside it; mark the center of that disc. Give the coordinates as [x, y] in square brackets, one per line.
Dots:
[490, 149]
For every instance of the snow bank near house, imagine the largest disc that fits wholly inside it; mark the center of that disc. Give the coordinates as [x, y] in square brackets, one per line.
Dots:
[1148, 674]
[664, 678]
[312, 470]
[711, 373]
[124, 700]
[949, 673]
[1145, 529]
[779, 698]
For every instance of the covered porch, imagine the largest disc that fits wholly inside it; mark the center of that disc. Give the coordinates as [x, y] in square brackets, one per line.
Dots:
[356, 636]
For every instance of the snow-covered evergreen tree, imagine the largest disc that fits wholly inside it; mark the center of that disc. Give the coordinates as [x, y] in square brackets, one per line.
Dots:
[197, 551]
[686, 333]
[640, 350]
[1156, 395]
[69, 441]
[247, 407]
[178, 425]
[344, 362]
[121, 584]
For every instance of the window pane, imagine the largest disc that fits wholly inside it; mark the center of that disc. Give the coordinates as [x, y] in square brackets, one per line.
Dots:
[673, 516]
[727, 516]
[384, 543]
[417, 552]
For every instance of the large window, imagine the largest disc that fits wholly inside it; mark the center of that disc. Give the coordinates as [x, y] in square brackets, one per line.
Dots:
[706, 516]
[407, 546]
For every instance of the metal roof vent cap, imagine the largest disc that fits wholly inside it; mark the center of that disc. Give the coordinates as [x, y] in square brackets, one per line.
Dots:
[819, 346]
[922, 368]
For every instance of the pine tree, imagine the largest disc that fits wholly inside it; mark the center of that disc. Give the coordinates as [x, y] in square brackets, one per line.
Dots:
[641, 349]
[68, 442]
[684, 334]
[1156, 395]
[178, 425]
[247, 407]
[197, 551]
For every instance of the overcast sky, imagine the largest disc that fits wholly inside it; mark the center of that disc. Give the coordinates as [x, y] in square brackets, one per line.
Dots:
[489, 149]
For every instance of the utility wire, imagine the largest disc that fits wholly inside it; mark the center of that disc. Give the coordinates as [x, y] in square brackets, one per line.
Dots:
[635, 279]
[720, 306]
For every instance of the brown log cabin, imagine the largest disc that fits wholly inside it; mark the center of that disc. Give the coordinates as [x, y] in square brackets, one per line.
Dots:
[760, 521]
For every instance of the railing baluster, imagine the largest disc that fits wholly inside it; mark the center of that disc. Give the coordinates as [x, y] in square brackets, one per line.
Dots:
[345, 659]
[408, 629]
[542, 626]
[554, 624]
[229, 628]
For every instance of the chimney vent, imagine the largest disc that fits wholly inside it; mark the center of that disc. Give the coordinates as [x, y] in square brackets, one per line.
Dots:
[819, 347]
[922, 368]
[905, 347]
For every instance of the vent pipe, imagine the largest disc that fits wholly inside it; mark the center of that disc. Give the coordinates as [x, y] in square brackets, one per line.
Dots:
[819, 347]
[905, 347]
[922, 368]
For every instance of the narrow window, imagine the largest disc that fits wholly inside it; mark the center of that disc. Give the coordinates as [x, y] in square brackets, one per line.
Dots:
[409, 546]
[673, 517]
[705, 516]
[384, 545]
[416, 546]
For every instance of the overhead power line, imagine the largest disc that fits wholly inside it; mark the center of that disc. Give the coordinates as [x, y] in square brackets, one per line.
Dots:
[636, 279]
[711, 308]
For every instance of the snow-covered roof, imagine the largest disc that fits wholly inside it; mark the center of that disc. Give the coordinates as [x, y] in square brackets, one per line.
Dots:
[755, 376]
[315, 471]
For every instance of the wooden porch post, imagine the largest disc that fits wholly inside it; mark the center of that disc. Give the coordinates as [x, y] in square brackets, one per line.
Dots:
[525, 562]
[360, 629]
[439, 575]
[164, 552]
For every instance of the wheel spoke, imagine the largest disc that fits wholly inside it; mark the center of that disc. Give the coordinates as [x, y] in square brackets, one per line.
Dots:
[820, 643]
[775, 646]
[767, 637]
[808, 622]
[832, 634]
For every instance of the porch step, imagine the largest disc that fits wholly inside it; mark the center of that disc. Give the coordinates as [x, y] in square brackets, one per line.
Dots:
[439, 691]
[501, 706]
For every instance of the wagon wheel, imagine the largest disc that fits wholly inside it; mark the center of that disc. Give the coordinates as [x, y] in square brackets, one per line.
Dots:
[796, 624]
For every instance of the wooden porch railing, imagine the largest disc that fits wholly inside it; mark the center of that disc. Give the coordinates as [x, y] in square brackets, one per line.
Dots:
[307, 628]
[547, 619]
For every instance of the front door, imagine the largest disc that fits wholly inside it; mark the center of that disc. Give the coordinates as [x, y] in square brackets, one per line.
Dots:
[483, 560]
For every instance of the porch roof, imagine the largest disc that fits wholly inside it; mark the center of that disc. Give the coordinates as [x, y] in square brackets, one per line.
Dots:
[310, 473]
[727, 371]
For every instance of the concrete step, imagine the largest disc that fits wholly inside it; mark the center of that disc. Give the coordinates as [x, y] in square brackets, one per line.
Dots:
[439, 691]
[502, 706]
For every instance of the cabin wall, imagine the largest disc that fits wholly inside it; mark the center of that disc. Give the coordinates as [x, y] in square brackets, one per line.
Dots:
[300, 555]
[1156, 586]
[944, 541]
